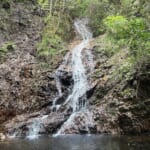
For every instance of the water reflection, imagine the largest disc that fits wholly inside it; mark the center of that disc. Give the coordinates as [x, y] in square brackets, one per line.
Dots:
[77, 142]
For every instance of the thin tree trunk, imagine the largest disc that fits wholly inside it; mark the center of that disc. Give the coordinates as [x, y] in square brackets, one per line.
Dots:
[50, 7]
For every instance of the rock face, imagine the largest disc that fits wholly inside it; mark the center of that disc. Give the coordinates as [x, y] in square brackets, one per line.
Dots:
[23, 87]
[120, 103]
[28, 92]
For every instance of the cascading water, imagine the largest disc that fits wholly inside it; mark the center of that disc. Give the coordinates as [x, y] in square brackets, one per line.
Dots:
[35, 127]
[77, 99]
[78, 62]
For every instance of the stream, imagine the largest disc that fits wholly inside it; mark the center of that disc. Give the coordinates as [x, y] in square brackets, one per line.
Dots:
[77, 98]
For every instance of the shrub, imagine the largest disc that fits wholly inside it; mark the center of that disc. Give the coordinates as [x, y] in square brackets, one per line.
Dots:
[139, 38]
[133, 31]
[56, 32]
[117, 26]
[6, 48]
[49, 45]
[97, 11]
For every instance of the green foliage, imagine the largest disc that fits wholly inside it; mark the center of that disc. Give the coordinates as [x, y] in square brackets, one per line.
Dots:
[129, 92]
[77, 8]
[56, 32]
[43, 3]
[137, 28]
[130, 32]
[56, 25]
[124, 28]
[7, 47]
[108, 46]
[49, 45]
[139, 39]
[97, 11]
[5, 1]
[125, 69]
[117, 26]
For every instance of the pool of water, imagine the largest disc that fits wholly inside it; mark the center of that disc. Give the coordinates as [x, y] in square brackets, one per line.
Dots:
[79, 142]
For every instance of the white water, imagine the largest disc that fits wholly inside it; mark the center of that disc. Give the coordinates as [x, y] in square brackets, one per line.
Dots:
[34, 130]
[86, 115]
[36, 127]
[77, 99]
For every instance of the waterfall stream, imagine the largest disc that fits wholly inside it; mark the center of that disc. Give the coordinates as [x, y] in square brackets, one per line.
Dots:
[77, 99]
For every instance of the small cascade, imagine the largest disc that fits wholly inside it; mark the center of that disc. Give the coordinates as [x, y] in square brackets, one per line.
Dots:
[80, 120]
[58, 73]
[36, 127]
[54, 106]
[77, 99]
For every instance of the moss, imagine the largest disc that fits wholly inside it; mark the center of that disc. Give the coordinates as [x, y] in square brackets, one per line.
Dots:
[128, 92]
[117, 26]
[107, 45]
[9, 46]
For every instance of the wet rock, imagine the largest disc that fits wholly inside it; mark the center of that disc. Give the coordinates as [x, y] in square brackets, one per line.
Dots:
[60, 100]
[50, 77]
[123, 109]
[90, 91]
[65, 77]
[47, 89]
[83, 130]
[125, 123]
[144, 88]
[54, 123]
[7, 114]
[6, 5]
[113, 104]
[93, 129]
[147, 102]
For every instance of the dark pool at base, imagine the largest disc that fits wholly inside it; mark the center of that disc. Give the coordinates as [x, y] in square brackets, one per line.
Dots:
[79, 142]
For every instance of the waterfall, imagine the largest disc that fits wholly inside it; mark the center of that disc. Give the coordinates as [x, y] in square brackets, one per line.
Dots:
[79, 61]
[77, 99]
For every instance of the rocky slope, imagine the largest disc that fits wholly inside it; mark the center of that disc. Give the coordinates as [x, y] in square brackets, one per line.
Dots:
[23, 86]
[124, 100]
[119, 104]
